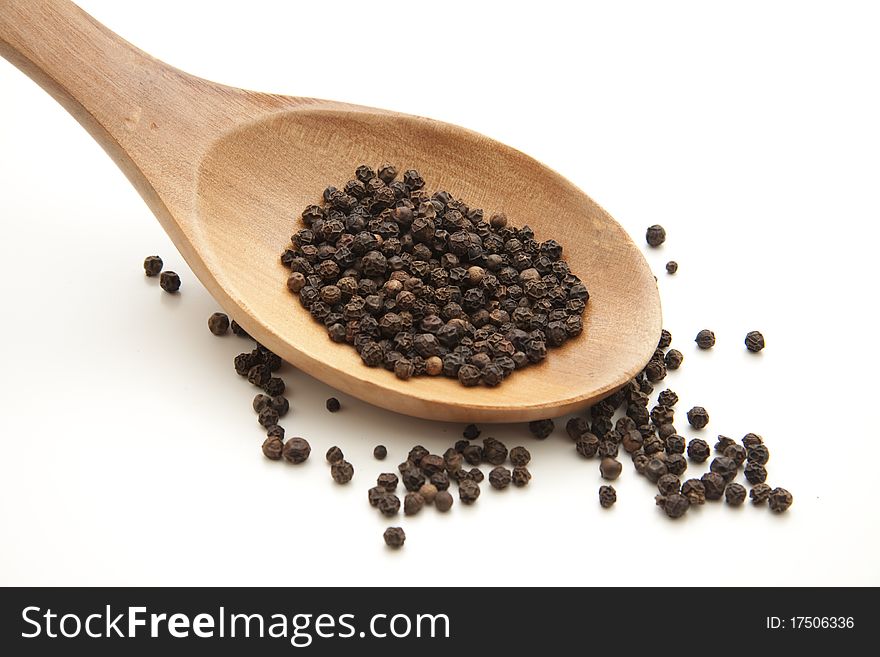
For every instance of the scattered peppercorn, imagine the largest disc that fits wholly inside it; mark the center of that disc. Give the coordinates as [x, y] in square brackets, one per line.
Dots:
[610, 468]
[655, 235]
[380, 452]
[296, 450]
[169, 281]
[673, 359]
[443, 501]
[668, 484]
[394, 537]
[755, 473]
[272, 448]
[675, 505]
[388, 481]
[342, 471]
[238, 330]
[520, 456]
[334, 455]
[218, 324]
[760, 493]
[758, 454]
[705, 339]
[754, 341]
[695, 491]
[499, 477]
[468, 491]
[697, 417]
[735, 494]
[471, 432]
[779, 500]
[714, 485]
[541, 428]
[333, 405]
[724, 466]
[428, 492]
[607, 496]
[521, 476]
[655, 468]
[388, 504]
[152, 265]
[413, 503]
[671, 267]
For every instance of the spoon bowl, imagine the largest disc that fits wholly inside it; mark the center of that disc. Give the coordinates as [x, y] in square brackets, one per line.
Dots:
[227, 173]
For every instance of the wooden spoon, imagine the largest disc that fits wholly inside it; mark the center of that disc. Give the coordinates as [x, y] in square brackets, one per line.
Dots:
[227, 171]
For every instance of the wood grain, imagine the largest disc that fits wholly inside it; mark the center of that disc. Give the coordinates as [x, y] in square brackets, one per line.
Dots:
[226, 171]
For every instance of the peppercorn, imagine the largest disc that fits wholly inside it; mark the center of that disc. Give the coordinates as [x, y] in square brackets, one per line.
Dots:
[342, 471]
[267, 417]
[428, 492]
[380, 452]
[673, 359]
[169, 281]
[640, 462]
[779, 500]
[610, 468]
[695, 491]
[714, 485]
[760, 493]
[576, 427]
[675, 505]
[541, 428]
[676, 463]
[735, 494]
[218, 324]
[521, 476]
[668, 484]
[413, 503]
[697, 417]
[754, 341]
[412, 478]
[705, 339]
[587, 445]
[607, 496]
[260, 402]
[751, 440]
[632, 441]
[724, 466]
[667, 397]
[431, 463]
[443, 501]
[388, 504]
[441, 479]
[375, 494]
[494, 451]
[520, 456]
[152, 265]
[238, 330]
[655, 370]
[333, 405]
[665, 339]
[735, 452]
[387, 481]
[655, 468]
[607, 448]
[468, 491]
[473, 454]
[723, 443]
[394, 537]
[272, 447]
[475, 475]
[755, 473]
[274, 386]
[758, 454]
[471, 432]
[675, 444]
[275, 431]
[500, 477]
[671, 267]
[655, 235]
[296, 450]
[334, 455]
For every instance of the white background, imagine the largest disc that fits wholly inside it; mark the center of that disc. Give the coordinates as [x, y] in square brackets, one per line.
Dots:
[128, 450]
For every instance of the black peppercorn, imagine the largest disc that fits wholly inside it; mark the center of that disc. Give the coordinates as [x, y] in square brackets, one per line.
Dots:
[695, 491]
[388, 504]
[274, 386]
[758, 454]
[779, 500]
[413, 503]
[576, 427]
[755, 473]
[735, 452]
[333, 405]
[676, 463]
[587, 445]
[705, 339]
[610, 468]
[494, 451]
[668, 484]
[380, 452]
[697, 417]
[665, 339]
[520, 456]
[673, 359]
[675, 505]
[394, 537]
[499, 477]
[671, 267]
[723, 443]
[473, 454]
[468, 491]
[760, 493]
[607, 496]
[521, 476]
[724, 466]
[375, 494]
[655, 235]
[152, 265]
[296, 450]
[218, 324]
[751, 440]
[541, 428]
[275, 432]
[261, 402]
[169, 281]
[667, 397]
[754, 341]
[735, 494]
[714, 485]
[655, 468]
[238, 330]
[334, 455]
[471, 432]
[388, 481]
[267, 417]
[342, 471]
[272, 448]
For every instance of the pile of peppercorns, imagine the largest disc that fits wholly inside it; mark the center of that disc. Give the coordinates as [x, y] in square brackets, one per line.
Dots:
[421, 284]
